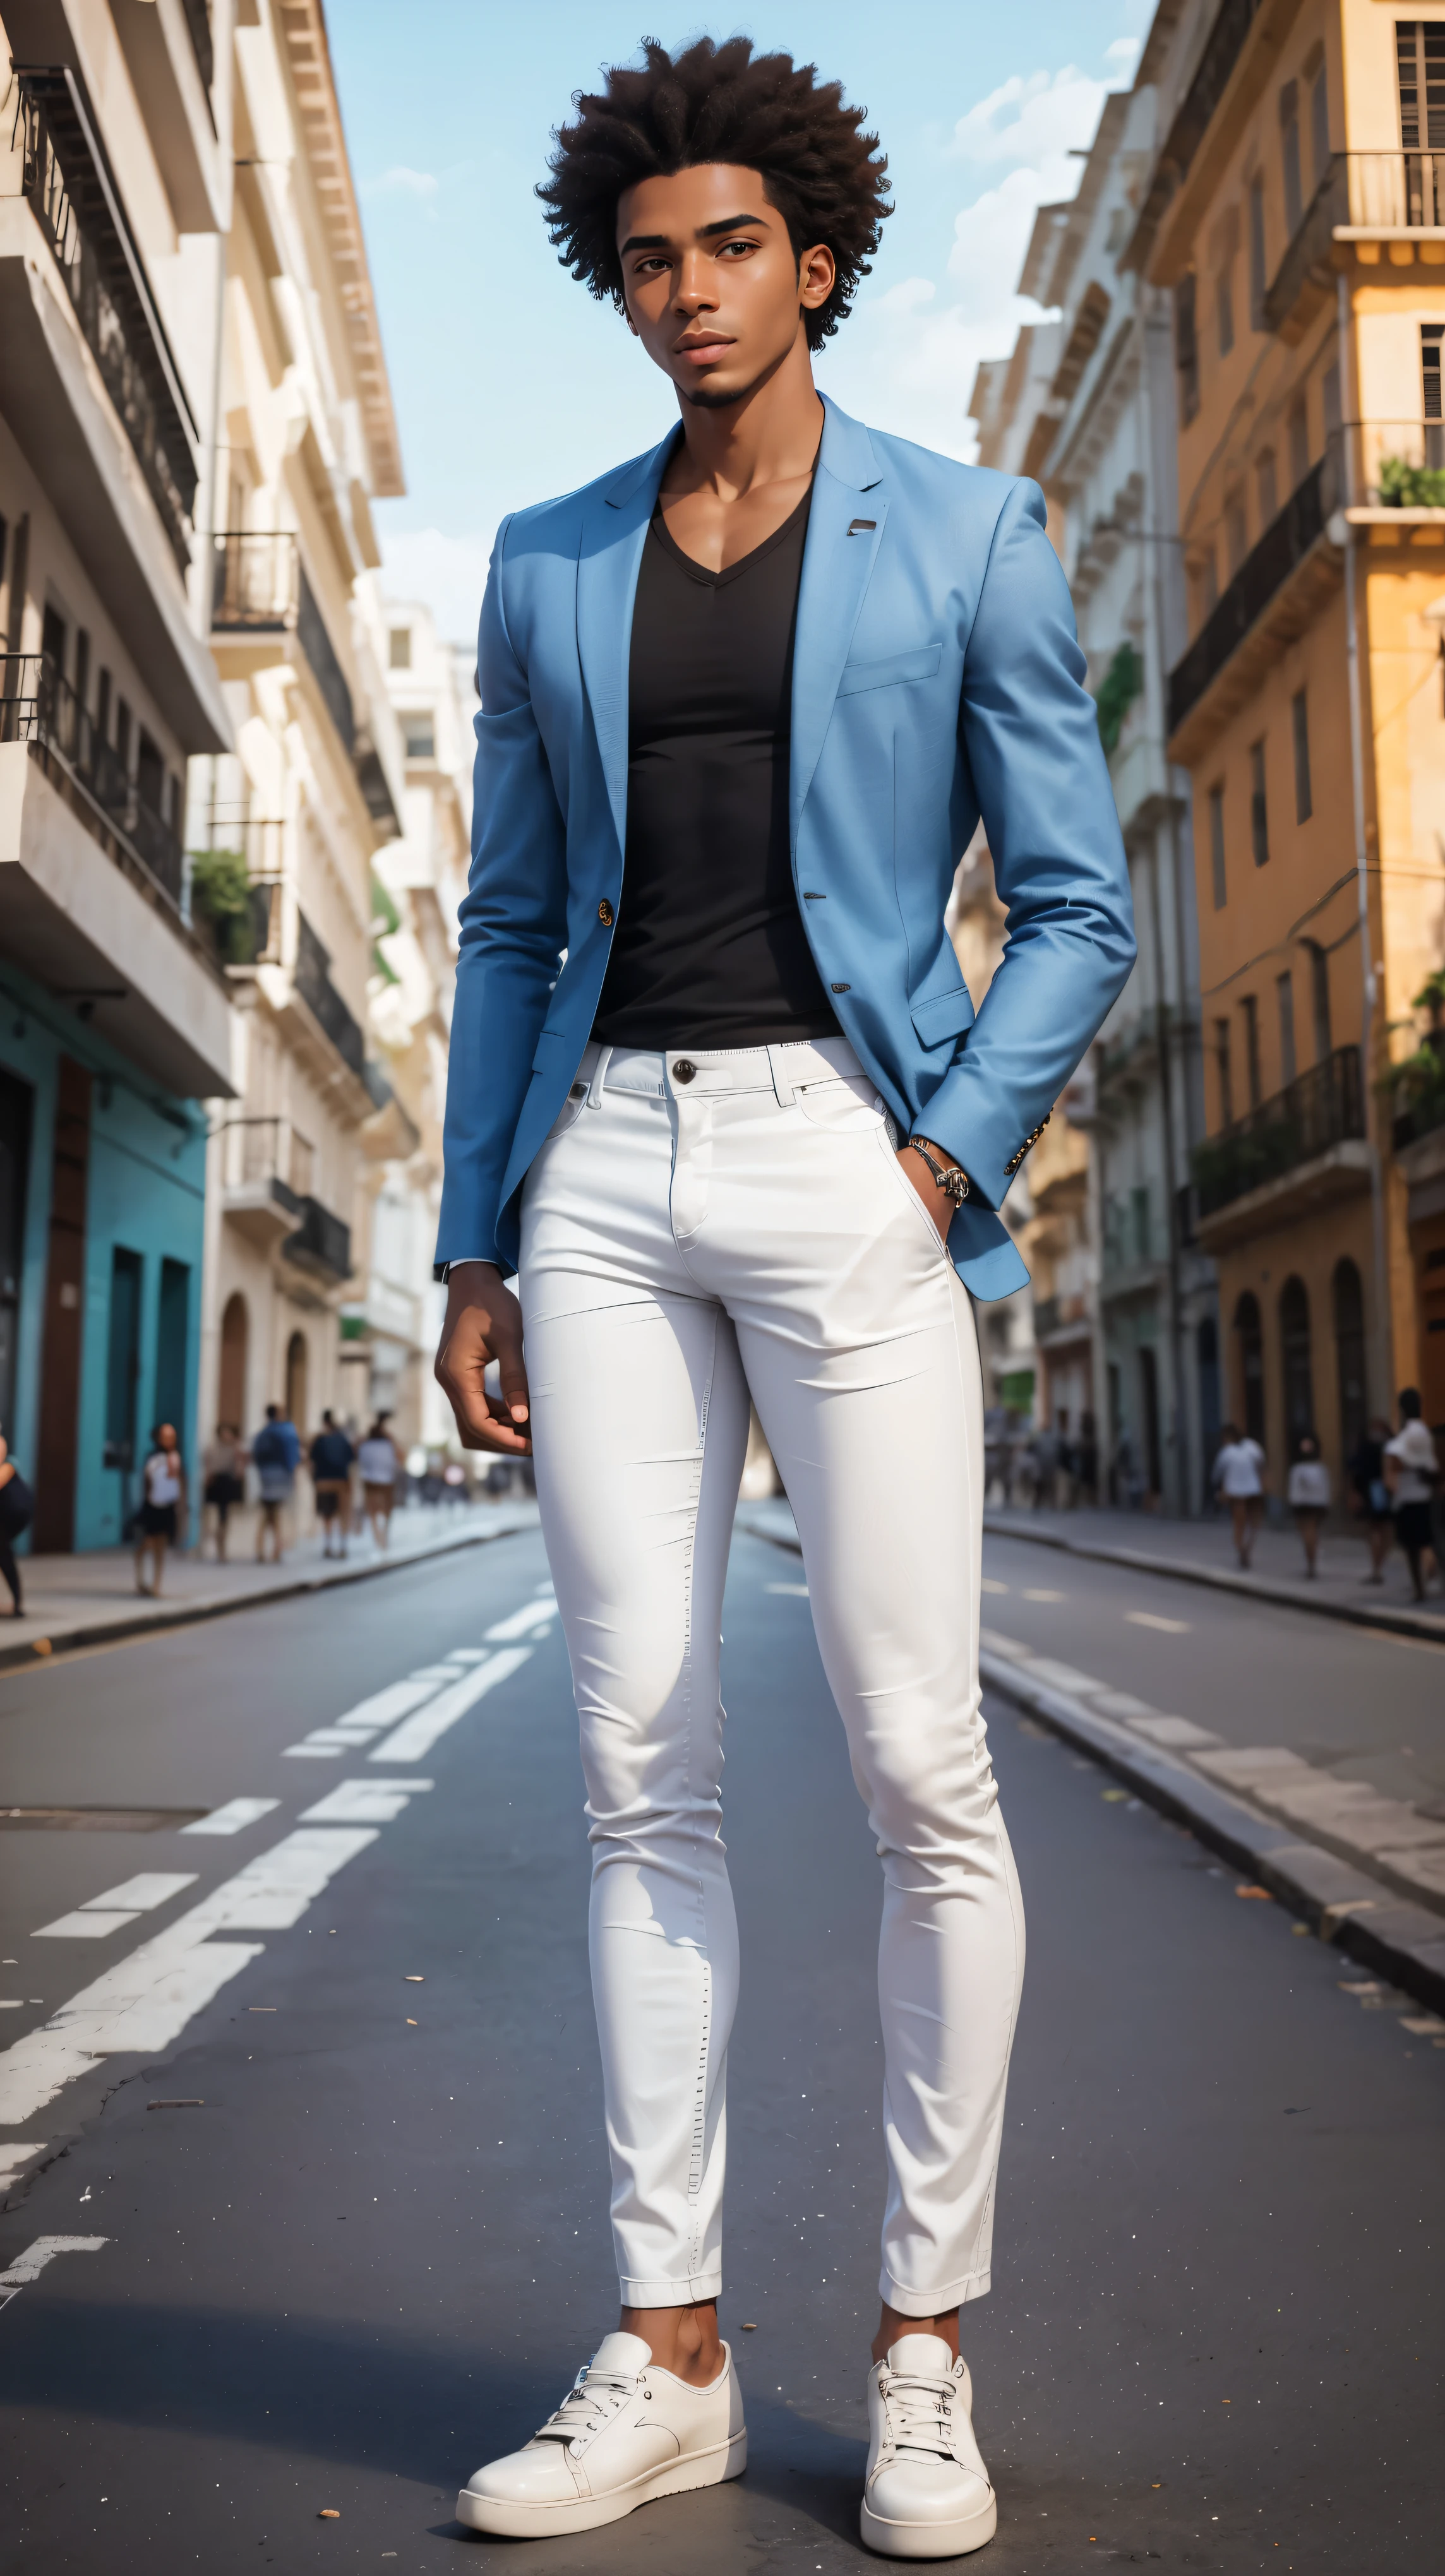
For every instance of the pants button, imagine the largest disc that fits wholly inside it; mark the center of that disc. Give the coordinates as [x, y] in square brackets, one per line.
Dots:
[683, 1071]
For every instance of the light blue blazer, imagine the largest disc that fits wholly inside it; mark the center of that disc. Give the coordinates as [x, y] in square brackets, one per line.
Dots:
[936, 677]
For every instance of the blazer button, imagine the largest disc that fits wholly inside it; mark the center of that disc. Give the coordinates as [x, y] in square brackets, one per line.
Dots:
[605, 914]
[683, 1071]
[840, 988]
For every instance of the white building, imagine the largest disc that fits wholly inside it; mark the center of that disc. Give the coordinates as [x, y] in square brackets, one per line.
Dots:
[1086, 406]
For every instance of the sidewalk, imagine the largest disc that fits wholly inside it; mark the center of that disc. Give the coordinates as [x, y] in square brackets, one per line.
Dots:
[1203, 1552]
[91, 1600]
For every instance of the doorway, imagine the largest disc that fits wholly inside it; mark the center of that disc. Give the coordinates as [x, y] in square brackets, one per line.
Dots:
[172, 1333]
[55, 1461]
[296, 1370]
[122, 1371]
[1349, 1298]
[1153, 1451]
[1249, 1335]
[16, 1104]
[235, 1351]
[1294, 1341]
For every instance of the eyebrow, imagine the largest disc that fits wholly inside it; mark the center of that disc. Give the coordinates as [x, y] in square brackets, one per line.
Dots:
[663, 241]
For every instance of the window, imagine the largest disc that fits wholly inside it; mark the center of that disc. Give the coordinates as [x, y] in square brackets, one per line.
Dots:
[149, 773]
[53, 635]
[1139, 1220]
[1186, 347]
[1294, 205]
[1330, 406]
[1216, 845]
[1284, 994]
[1299, 444]
[82, 664]
[1258, 281]
[400, 648]
[1294, 1341]
[1250, 1008]
[1258, 807]
[1267, 487]
[419, 735]
[102, 706]
[1224, 310]
[1420, 71]
[1430, 338]
[1320, 124]
[1320, 999]
[1300, 721]
[1222, 1069]
[122, 734]
[1236, 531]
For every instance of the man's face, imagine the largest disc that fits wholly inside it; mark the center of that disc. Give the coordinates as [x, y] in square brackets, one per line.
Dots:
[714, 290]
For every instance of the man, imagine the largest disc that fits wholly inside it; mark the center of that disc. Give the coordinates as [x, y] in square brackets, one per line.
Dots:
[728, 1114]
[275, 1454]
[1411, 1472]
[332, 1458]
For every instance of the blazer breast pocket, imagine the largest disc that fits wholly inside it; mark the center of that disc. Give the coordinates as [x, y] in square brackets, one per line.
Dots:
[921, 664]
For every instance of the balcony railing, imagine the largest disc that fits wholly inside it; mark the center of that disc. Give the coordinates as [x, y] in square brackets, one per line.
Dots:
[40, 708]
[68, 182]
[1321, 1108]
[1393, 191]
[1265, 569]
[313, 983]
[1424, 1117]
[321, 1243]
[260, 587]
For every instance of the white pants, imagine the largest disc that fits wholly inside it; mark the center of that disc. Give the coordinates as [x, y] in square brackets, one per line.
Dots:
[685, 1241]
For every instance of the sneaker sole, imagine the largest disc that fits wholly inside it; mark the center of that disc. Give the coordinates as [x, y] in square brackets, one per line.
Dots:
[930, 2539]
[509, 2521]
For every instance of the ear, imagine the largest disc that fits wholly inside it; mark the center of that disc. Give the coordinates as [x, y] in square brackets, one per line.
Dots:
[817, 276]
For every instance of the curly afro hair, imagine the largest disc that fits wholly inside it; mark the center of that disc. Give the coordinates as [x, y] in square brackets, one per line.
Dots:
[716, 102]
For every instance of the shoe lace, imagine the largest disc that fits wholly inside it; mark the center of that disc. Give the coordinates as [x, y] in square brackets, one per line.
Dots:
[920, 2414]
[592, 2400]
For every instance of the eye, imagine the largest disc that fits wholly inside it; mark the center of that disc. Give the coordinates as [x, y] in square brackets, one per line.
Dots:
[743, 243]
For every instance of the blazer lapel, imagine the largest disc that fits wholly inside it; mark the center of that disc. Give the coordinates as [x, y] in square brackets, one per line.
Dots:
[614, 531]
[836, 571]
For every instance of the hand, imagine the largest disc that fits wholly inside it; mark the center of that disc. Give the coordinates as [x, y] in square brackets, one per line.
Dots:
[937, 1201]
[484, 1323]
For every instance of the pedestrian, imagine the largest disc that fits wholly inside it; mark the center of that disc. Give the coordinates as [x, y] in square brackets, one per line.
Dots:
[380, 1467]
[223, 1472]
[749, 662]
[1371, 1502]
[275, 1454]
[160, 1522]
[1088, 1458]
[1239, 1477]
[1411, 1472]
[332, 1459]
[454, 1482]
[17, 1510]
[1309, 1494]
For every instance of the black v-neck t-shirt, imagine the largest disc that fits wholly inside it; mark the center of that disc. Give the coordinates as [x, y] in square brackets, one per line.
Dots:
[709, 949]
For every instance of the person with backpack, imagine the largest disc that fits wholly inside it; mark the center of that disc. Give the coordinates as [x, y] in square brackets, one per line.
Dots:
[332, 1458]
[275, 1455]
[17, 1510]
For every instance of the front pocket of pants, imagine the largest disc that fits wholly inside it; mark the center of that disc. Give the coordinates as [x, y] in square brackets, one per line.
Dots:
[915, 1202]
[850, 1106]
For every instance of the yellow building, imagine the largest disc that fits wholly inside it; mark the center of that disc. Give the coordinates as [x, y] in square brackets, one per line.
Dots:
[1296, 213]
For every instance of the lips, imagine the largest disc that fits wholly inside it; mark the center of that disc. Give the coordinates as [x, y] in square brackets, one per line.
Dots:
[712, 348]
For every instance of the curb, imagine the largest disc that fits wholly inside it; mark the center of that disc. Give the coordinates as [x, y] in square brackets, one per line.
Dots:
[1339, 1902]
[1405, 1623]
[220, 1605]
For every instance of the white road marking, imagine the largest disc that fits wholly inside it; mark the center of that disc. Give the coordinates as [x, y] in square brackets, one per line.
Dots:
[364, 1802]
[533, 1614]
[28, 2266]
[357, 1725]
[110, 1912]
[14, 2153]
[1151, 1619]
[12, 2003]
[1045, 1596]
[989, 1585]
[412, 1741]
[234, 1817]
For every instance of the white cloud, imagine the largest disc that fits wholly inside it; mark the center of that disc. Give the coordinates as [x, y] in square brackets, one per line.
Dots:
[420, 185]
[448, 574]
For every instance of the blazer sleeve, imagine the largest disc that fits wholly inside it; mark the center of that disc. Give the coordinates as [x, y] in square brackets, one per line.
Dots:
[512, 928]
[1030, 736]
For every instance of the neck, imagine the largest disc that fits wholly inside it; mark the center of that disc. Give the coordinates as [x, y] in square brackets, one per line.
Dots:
[769, 435]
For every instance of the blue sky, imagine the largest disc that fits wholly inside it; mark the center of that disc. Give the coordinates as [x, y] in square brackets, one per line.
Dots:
[510, 383]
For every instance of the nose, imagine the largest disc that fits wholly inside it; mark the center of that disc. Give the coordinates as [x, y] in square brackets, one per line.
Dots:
[694, 283]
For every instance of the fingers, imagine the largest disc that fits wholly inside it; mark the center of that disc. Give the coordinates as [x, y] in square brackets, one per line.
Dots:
[484, 1321]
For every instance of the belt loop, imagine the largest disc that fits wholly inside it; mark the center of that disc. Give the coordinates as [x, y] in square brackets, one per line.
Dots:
[599, 1077]
[781, 1084]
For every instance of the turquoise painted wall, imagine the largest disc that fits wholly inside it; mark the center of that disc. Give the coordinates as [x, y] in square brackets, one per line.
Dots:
[145, 1195]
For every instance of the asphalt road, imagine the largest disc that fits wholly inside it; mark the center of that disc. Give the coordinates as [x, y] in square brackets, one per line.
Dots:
[377, 2251]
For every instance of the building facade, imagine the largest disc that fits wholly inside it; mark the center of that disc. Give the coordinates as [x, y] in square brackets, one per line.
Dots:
[285, 831]
[1125, 1316]
[115, 1018]
[392, 1323]
[1294, 218]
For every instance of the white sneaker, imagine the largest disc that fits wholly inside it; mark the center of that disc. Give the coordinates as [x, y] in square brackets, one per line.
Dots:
[626, 2432]
[927, 2493]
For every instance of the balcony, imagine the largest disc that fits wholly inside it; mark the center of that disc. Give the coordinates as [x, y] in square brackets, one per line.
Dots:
[313, 983]
[260, 1159]
[1276, 591]
[260, 590]
[320, 1244]
[41, 709]
[71, 191]
[1059, 1321]
[1293, 1154]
